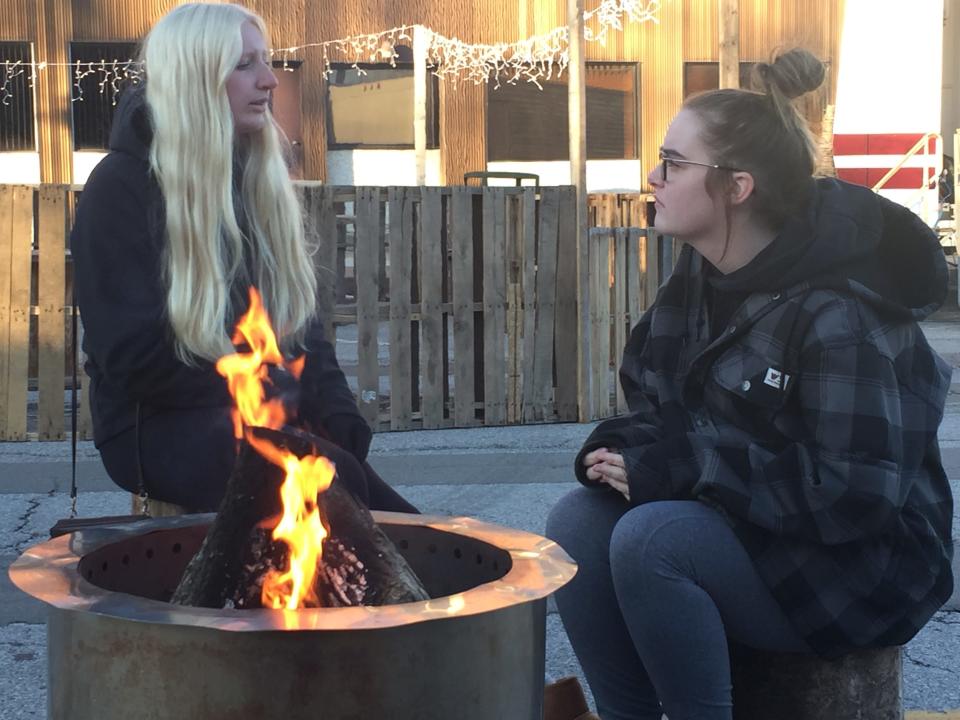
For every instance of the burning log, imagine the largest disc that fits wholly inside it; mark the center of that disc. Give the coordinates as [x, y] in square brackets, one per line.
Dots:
[361, 565]
[215, 571]
[341, 581]
[390, 579]
[364, 567]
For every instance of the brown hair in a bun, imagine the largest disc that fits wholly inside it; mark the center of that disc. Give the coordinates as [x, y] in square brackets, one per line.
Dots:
[761, 132]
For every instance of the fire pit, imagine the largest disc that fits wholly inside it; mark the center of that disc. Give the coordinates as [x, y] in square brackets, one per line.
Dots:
[118, 650]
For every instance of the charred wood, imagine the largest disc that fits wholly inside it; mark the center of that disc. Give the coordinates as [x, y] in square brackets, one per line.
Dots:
[252, 494]
[360, 565]
[341, 579]
[390, 578]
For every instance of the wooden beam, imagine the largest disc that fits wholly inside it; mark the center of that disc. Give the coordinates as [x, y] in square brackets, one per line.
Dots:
[313, 89]
[577, 108]
[729, 43]
[421, 43]
[463, 130]
[53, 31]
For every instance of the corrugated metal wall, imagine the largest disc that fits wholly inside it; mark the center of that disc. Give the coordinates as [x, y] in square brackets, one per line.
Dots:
[687, 31]
[17, 20]
[463, 130]
[105, 20]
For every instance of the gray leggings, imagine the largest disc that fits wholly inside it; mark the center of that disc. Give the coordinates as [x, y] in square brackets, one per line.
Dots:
[659, 589]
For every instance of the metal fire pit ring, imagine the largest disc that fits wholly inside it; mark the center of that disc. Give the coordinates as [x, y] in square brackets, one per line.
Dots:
[118, 650]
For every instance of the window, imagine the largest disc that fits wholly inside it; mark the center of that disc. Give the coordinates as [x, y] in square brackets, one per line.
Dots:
[528, 124]
[16, 98]
[701, 76]
[94, 99]
[372, 107]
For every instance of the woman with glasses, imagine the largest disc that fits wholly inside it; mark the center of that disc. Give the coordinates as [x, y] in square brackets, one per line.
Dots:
[778, 480]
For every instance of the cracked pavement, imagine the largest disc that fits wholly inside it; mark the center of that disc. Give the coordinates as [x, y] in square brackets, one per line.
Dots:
[931, 660]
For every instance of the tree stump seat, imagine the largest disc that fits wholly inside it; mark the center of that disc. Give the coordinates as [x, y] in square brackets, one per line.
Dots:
[864, 684]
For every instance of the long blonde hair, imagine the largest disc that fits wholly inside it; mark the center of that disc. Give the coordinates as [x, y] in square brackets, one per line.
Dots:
[189, 54]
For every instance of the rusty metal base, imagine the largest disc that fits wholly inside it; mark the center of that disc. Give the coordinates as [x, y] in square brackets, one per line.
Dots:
[481, 666]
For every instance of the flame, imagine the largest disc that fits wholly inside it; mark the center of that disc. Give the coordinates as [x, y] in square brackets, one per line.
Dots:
[246, 372]
[301, 526]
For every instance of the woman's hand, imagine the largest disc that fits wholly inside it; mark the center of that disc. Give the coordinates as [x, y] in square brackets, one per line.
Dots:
[607, 466]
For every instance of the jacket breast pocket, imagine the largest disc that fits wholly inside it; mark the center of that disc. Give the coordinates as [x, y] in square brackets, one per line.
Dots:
[750, 390]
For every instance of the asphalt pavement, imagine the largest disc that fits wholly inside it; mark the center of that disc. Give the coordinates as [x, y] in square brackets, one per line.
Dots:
[509, 476]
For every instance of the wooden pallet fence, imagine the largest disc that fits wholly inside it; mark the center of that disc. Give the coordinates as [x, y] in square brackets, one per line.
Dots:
[619, 209]
[16, 234]
[627, 266]
[465, 302]
[461, 302]
[35, 315]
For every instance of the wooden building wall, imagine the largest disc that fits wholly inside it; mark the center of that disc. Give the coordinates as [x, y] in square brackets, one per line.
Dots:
[17, 20]
[687, 31]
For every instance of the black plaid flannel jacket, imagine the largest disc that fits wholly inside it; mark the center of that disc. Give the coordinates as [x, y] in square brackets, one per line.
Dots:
[811, 424]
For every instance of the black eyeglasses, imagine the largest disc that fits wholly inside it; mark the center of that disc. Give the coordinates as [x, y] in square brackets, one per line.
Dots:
[667, 160]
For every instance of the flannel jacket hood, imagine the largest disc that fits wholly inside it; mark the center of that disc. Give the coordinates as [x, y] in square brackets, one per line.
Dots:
[810, 421]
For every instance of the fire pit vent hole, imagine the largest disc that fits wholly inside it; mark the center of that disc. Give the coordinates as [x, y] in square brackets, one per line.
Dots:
[145, 565]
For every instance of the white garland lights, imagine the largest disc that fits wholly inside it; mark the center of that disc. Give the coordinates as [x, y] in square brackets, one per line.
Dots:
[111, 72]
[11, 71]
[535, 60]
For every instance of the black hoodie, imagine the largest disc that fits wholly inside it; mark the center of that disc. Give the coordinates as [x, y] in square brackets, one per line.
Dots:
[117, 245]
[851, 237]
[848, 237]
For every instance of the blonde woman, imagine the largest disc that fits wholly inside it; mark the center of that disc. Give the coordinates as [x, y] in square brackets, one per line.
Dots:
[192, 206]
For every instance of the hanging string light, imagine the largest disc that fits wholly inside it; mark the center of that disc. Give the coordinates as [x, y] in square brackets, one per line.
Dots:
[535, 60]
[12, 69]
[112, 74]
[610, 14]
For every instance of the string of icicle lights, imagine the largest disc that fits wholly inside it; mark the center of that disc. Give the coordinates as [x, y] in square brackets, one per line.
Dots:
[535, 59]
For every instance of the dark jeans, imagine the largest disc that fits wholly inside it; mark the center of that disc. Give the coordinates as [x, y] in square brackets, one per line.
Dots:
[659, 589]
[187, 457]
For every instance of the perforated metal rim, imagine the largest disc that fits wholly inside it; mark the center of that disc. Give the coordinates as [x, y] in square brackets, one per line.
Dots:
[50, 571]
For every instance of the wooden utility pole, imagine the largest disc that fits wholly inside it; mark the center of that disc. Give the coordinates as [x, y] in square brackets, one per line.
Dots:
[577, 107]
[52, 30]
[421, 40]
[729, 43]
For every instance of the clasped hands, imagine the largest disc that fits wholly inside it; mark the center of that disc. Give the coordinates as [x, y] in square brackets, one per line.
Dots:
[659, 470]
[606, 466]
